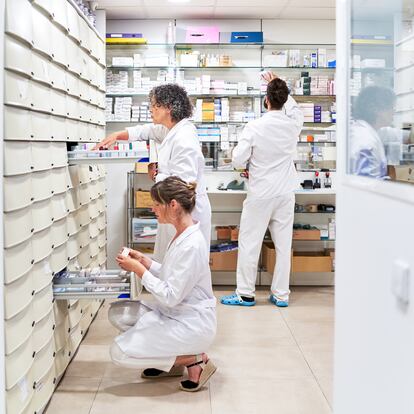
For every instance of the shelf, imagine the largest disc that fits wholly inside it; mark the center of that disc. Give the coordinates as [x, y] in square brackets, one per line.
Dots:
[318, 123]
[318, 143]
[210, 95]
[167, 67]
[106, 160]
[319, 191]
[316, 212]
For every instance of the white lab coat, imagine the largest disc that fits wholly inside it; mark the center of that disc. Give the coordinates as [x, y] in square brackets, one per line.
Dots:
[182, 320]
[367, 153]
[179, 154]
[268, 145]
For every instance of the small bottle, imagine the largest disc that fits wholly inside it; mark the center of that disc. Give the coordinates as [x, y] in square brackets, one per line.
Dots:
[317, 183]
[327, 182]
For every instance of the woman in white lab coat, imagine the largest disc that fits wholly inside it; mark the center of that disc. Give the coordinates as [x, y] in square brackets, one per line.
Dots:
[179, 152]
[176, 329]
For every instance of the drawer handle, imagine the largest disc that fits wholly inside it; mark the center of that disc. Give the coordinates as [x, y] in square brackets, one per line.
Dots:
[31, 136]
[34, 354]
[52, 164]
[68, 328]
[53, 192]
[53, 300]
[31, 230]
[34, 385]
[33, 324]
[32, 105]
[54, 354]
[32, 167]
[33, 293]
[67, 210]
[68, 259]
[32, 262]
[53, 246]
[68, 234]
[69, 353]
[32, 73]
[32, 199]
[53, 219]
[53, 327]
[54, 381]
[52, 137]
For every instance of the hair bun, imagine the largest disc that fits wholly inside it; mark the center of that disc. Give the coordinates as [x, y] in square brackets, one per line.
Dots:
[192, 186]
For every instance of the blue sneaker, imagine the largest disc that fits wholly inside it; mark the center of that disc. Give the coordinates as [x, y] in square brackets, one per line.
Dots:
[279, 303]
[235, 300]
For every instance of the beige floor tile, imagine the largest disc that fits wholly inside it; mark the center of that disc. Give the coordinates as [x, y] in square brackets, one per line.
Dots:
[113, 371]
[308, 313]
[244, 395]
[326, 384]
[101, 332]
[160, 397]
[73, 395]
[319, 358]
[321, 333]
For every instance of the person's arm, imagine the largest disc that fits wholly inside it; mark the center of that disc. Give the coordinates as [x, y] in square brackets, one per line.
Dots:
[111, 139]
[243, 150]
[182, 278]
[183, 162]
[293, 111]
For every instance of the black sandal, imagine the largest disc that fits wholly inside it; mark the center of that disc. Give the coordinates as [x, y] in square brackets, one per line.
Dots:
[208, 370]
[154, 373]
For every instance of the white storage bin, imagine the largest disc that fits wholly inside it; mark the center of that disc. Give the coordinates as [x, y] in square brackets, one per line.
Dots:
[72, 247]
[93, 245]
[72, 129]
[43, 391]
[18, 261]
[41, 156]
[61, 361]
[42, 245]
[101, 239]
[41, 185]
[84, 258]
[17, 56]
[59, 207]
[58, 128]
[59, 103]
[62, 330]
[84, 90]
[72, 52]
[59, 180]
[70, 200]
[17, 90]
[41, 32]
[58, 47]
[93, 209]
[42, 215]
[83, 58]
[14, 24]
[44, 359]
[75, 315]
[101, 221]
[59, 232]
[18, 227]
[84, 111]
[59, 258]
[83, 131]
[41, 126]
[43, 332]
[18, 295]
[42, 100]
[40, 69]
[102, 256]
[18, 398]
[82, 237]
[42, 303]
[17, 192]
[14, 128]
[73, 87]
[72, 225]
[59, 154]
[73, 22]
[42, 274]
[84, 34]
[73, 108]
[84, 194]
[60, 13]
[58, 80]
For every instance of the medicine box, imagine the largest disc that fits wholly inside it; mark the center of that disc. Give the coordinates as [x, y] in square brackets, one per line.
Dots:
[311, 262]
[246, 37]
[226, 260]
[202, 34]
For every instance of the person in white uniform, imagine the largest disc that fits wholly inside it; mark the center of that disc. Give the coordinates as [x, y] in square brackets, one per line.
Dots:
[268, 146]
[179, 153]
[176, 329]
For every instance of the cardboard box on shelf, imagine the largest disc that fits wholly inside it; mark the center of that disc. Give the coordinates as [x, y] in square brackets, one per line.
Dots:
[223, 232]
[226, 260]
[143, 199]
[234, 233]
[311, 262]
[269, 257]
[301, 234]
[141, 167]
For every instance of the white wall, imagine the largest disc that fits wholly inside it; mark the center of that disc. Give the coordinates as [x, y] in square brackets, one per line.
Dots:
[288, 31]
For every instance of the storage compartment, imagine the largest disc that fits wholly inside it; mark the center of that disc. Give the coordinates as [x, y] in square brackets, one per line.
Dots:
[311, 262]
[143, 199]
[226, 260]
[313, 234]
[269, 257]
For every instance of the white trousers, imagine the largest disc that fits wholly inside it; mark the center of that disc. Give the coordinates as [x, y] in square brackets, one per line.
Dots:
[166, 232]
[277, 214]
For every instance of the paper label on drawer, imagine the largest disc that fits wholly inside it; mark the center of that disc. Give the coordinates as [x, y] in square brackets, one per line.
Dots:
[63, 204]
[46, 267]
[24, 390]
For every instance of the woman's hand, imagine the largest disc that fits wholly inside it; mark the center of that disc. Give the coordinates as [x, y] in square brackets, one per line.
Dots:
[145, 260]
[131, 265]
[152, 170]
[111, 139]
[269, 76]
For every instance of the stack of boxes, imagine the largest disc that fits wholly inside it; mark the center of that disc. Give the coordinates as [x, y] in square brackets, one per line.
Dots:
[317, 113]
[208, 111]
[117, 82]
[123, 61]
[141, 113]
[308, 111]
[122, 109]
[109, 116]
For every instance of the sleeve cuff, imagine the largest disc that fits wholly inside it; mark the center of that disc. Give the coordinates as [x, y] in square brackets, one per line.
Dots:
[155, 267]
[147, 278]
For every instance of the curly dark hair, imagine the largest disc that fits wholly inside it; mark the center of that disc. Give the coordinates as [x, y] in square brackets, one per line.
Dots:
[174, 97]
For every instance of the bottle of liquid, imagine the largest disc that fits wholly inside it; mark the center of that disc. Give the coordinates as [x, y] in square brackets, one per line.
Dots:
[317, 183]
[327, 182]
[332, 229]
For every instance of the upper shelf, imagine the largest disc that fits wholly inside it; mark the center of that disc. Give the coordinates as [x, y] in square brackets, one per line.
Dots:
[207, 68]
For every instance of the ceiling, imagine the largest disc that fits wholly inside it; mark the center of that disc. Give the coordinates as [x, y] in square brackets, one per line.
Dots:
[219, 9]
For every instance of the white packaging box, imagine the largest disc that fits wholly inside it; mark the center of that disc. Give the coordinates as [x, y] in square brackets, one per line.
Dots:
[294, 57]
[190, 60]
[206, 81]
[276, 59]
[242, 88]
[122, 61]
[157, 60]
[138, 60]
[373, 63]
[322, 58]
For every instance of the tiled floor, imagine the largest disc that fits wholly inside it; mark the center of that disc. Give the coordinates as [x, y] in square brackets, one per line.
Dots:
[269, 360]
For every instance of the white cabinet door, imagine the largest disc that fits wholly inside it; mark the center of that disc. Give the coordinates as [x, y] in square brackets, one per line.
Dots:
[13, 151]
[18, 261]
[17, 90]
[18, 227]
[15, 25]
[17, 192]
[41, 32]
[41, 185]
[41, 126]
[14, 128]
[41, 156]
[73, 22]
[17, 56]
[42, 215]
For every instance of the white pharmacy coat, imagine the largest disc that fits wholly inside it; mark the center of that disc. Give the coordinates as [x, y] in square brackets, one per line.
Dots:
[179, 154]
[268, 144]
[182, 320]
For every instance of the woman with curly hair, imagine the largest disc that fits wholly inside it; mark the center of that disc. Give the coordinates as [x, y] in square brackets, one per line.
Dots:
[179, 152]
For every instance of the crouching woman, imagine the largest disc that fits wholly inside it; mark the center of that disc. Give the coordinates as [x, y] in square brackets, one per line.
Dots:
[175, 329]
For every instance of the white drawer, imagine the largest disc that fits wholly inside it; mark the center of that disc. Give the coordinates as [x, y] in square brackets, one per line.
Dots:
[84, 62]
[59, 103]
[18, 227]
[60, 310]
[61, 332]
[84, 90]
[60, 13]
[18, 261]
[102, 256]
[73, 108]
[84, 34]
[85, 322]
[59, 258]
[41, 185]
[14, 128]
[41, 32]
[42, 274]
[59, 207]
[59, 154]
[40, 69]
[18, 295]
[96, 45]
[17, 90]
[102, 239]
[17, 56]
[71, 200]
[41, 156]
[82, 216]
[82, 237]
[73, 226]
[15, 25]
[44, 331]
[93, 230]
[58, 46]
[42, 215]
[44, 390]
[59, 180]
[101, 221]
[61, 361]
[58, 128]
[42, 303]
[72, 51]
[72, 83]
[19, 329]
[94, 172]
[74, 171]
[83, 131]
[84, 258]
[59, 232]
[100, 134]
[19, 397]
[72, 129]
[73, 22]
[17, 192]
[94, 95]
[93, 246]
[93, 209]
[42, 100]
[84, 111]
[45, 5]
[19, 363]
[84, 194]
[94, 188]
[42, 245]
[41, 126]
[58, 78]
[72, 247]
[44, 360]
[75, 315]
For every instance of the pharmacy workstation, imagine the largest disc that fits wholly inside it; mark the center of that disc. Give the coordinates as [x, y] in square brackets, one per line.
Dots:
[202, 205]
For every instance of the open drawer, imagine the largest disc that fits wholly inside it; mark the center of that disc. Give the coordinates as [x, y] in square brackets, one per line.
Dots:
[100, 284]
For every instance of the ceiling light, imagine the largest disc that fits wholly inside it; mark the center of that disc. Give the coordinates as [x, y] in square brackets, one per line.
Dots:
[179, 1]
